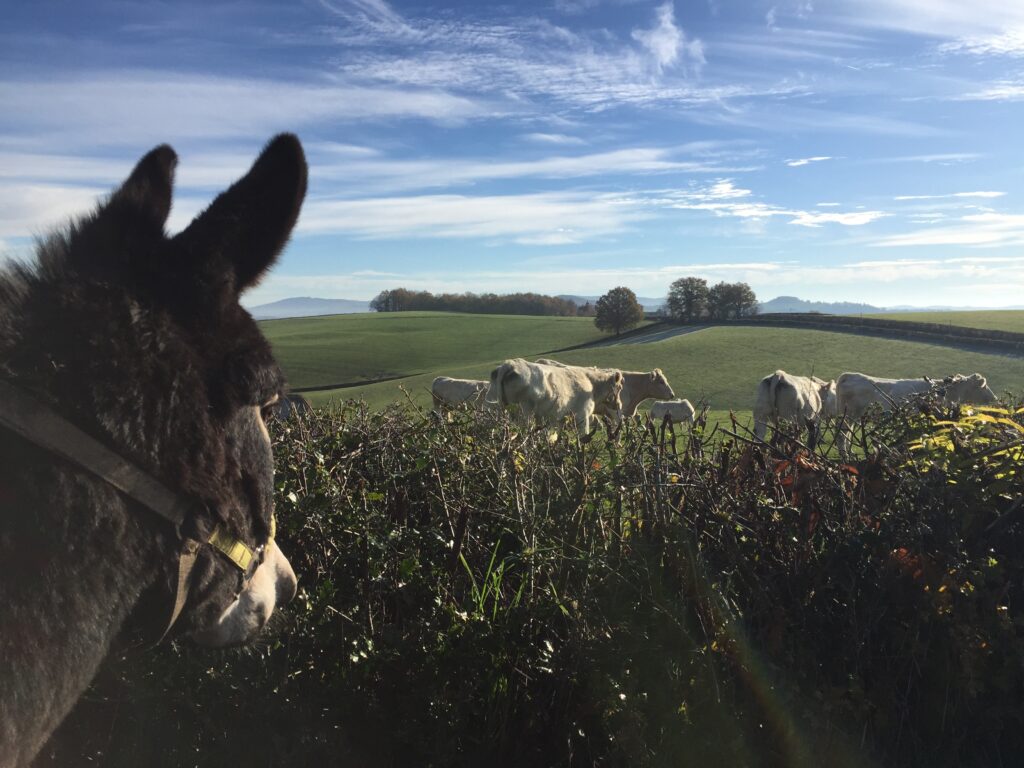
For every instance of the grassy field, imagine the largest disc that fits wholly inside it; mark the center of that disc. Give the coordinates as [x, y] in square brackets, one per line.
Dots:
[999, 320]
[719, 365]
[341, 349]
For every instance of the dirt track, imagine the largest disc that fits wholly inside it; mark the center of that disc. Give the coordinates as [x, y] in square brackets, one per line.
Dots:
[658, 334]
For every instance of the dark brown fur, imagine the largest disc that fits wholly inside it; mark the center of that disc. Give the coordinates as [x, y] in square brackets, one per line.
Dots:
[138, 339]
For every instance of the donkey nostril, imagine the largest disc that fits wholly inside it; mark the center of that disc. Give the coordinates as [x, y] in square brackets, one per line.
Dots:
[286, 589]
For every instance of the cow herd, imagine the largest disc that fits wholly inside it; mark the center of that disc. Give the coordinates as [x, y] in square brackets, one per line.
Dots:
[548, 390]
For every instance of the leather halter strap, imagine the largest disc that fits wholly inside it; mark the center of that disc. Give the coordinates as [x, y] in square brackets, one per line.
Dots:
[24, 415]
[38, 424]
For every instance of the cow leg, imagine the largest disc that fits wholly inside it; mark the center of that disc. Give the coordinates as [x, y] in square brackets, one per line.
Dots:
[760, 428]
[582, 418]
[843, 434]
[812, 433]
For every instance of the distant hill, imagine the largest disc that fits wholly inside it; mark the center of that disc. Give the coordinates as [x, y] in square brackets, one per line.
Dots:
[793, 304]
[305, 306]
[649, 304]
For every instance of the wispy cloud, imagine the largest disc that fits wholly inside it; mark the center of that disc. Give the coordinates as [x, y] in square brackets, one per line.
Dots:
[118, 109]
[950, 19]
[806, 161]
[941, 158]
[1007, 43]
[981, 230]
[33, 209]
[532, 219]
[388, 175]
[981, 194]
[529, 59]
[553, 138]
[724, 199]
[1005, 90]
[667, 43]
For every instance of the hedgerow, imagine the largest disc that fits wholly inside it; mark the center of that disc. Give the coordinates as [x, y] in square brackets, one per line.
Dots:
[476, 593]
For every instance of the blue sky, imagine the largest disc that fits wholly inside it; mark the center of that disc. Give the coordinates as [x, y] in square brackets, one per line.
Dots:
[865, 150]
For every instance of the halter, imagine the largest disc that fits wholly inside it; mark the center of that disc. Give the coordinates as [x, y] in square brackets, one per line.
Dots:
[27, 417]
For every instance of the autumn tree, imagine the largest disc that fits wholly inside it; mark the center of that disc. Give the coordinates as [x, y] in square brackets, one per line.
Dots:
[404, 300]
[687, 299]
[731, 300]
[617, 311]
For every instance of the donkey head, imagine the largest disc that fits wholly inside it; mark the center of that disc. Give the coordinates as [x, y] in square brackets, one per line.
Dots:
[165, 366]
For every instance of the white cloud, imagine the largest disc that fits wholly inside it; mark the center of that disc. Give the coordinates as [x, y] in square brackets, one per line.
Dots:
[378, 176]
[1007, 43]
[946, 158]
[666, 42]
[723, 189]
[375, 15]
[1006, 90]
[553, 138]
[34, 209]
[951, 19]
[827, 205]
[116, 109]
[979, 229]
[525, 59]
[983, 194]
[724, 199]
[853, 219]
[532, 219]
[806, 161]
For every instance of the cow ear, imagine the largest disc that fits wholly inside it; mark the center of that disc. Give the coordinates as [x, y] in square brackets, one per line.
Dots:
[980, 379]
[240, 235]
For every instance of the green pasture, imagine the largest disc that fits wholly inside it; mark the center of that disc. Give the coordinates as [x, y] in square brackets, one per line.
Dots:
[341, 349]
[720, 365]
[998, 320]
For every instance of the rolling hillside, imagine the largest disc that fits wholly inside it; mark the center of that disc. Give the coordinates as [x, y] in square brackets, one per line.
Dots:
[721, 364]
[999, 320]
[325, 351]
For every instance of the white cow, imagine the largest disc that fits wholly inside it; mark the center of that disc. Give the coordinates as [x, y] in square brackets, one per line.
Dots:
[454, 391]
[679, 411]
[801, 399]
[549, 392]
[855, 392]
[637, 386]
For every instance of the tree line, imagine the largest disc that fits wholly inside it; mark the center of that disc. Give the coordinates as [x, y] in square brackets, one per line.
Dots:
[404, 300]
[689, 300]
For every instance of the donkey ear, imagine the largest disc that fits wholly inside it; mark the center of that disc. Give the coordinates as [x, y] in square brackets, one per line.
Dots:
[247, 226]
[127, 229]
[148, 189]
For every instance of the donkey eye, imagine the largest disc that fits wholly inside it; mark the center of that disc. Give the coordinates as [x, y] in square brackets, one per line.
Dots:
[269, 407]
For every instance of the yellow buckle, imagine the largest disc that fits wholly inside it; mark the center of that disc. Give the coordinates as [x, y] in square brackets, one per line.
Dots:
[236, 550]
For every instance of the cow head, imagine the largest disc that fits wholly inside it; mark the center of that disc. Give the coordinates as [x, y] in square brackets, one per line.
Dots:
[661, 389]
[968, 389]
[827, 393]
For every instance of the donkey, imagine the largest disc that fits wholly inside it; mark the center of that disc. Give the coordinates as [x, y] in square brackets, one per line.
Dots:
[132, 346]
